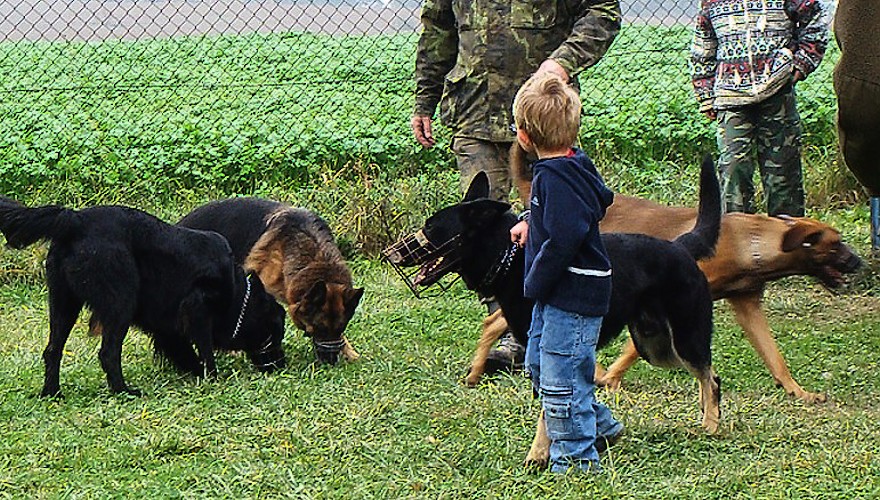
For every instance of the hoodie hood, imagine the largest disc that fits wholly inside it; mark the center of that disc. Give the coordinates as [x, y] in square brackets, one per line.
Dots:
[579, 172]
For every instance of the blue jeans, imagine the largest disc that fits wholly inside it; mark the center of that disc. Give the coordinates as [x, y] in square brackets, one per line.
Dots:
[561, 356]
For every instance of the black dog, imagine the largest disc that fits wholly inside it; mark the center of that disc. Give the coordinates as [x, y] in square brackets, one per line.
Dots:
[179, 285]
[657, 289]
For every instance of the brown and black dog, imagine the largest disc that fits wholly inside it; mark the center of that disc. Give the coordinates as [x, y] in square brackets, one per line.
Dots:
[752, 250]
[294, 253]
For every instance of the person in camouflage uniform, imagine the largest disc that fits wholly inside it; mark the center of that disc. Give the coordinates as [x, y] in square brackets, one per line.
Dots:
[473, 57]
[746, 58]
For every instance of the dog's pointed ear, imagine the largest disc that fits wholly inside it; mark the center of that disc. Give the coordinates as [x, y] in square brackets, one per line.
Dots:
[801, 235]
[352, 299]
[479, 213]
[479, 187]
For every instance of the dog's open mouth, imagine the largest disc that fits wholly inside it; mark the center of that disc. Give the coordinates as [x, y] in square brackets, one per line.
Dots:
[432, 271]
[434, 261]
[832, 275]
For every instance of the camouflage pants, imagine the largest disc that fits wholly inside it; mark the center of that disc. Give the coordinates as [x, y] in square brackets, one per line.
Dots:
[475, 155]
[772, 129]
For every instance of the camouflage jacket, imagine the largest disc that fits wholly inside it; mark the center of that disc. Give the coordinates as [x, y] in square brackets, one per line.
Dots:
[473, 56]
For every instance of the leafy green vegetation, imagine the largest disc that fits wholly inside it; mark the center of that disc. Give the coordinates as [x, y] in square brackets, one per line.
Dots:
[246, 113]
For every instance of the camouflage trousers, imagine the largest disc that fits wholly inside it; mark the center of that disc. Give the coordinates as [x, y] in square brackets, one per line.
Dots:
[771, 131]
[476, 155]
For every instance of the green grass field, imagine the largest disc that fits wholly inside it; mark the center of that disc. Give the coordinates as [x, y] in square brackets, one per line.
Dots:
[399, 424]
[168, 124]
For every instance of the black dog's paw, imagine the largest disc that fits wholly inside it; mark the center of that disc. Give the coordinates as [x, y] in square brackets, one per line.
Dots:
[129, 391]
[51, 393]
[500, 364]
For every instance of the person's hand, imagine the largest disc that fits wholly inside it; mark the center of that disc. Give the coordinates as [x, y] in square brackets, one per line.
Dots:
[551, 66]
[421, 127]
[797, 76]
[711, 114]
[519, 233]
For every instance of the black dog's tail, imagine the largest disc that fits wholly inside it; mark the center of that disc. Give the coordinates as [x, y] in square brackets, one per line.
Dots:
[700, 242]
[24, 226]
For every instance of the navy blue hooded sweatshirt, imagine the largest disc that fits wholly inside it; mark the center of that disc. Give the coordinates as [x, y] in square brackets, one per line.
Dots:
[566, 263]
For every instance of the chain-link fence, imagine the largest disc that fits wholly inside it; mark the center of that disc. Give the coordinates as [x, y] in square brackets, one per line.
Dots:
[208, 89]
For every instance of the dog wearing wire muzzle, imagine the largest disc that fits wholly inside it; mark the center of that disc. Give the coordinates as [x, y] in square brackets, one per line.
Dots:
[658, 291]
[180, 286]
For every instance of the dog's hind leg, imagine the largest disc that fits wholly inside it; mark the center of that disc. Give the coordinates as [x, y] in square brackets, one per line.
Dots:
[710, 397]
[110, 354]
[493, 326]
[64, 308]
[539, 453]
[691, 330]
[697, 359]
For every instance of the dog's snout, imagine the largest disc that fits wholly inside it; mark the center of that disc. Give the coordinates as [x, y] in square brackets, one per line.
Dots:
[409, 251]
[852, 262]
[327, 351]
[327, 358]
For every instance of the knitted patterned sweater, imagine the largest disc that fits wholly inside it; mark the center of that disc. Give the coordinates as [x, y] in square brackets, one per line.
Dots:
[744, 51]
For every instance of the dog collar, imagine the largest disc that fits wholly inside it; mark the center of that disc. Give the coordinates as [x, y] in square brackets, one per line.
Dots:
[244, 303]
[500, 268]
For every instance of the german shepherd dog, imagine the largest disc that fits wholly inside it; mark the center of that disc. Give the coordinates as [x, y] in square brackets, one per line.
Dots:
[294, 253]
[657, 289]
[180, 286]
[752, 251]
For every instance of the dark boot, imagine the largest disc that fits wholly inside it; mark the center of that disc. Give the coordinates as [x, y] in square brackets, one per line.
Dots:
[508, 354]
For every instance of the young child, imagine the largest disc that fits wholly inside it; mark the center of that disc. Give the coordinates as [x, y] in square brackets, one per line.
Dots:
[746, 58]
[568, 273]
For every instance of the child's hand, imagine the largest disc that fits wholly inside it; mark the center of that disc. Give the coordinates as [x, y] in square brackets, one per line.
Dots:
[519, 233]
[711, 114]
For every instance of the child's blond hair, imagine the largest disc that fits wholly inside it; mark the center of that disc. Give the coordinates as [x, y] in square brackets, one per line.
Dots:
[549, 111]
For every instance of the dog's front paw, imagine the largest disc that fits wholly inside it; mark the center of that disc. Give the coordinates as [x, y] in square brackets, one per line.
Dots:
[129, 391]
[535, 463]
[472, 378]
[53, 393]
[610, 382]
[810, 397]
[349, 353]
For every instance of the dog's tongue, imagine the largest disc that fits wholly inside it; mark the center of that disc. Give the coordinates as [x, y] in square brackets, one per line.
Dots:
[426, 276]
[833, 278]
